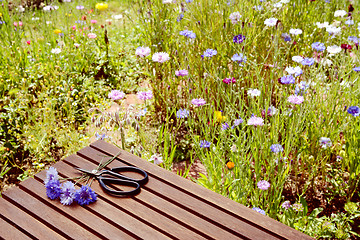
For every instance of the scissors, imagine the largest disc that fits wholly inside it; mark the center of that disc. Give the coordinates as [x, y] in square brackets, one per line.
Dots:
[113, 176]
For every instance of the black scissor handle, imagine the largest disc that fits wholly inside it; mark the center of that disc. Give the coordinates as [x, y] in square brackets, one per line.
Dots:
[103, 181]
[114, 171]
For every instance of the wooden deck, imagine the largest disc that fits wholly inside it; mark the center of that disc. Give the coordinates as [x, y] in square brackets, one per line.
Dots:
[168, 207]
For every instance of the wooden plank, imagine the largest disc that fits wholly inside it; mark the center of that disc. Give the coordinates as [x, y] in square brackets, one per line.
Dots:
[193, 205]
[169, 209]
[47, 215]
[97, 223]
[215, 200]
[25, 221]
[103, 206]
[11, 231]
[143, 212]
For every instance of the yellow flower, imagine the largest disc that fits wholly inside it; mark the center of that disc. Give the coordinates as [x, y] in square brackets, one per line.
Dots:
[219, 117]
[0, 14]
[57, 31]
[101, 6]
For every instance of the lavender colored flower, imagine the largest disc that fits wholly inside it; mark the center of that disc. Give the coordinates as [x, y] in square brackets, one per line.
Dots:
[297, 71]
[235, 17]
[349, 22]
[297, 207]
[143, 51]
[80, 7]
[300, 89]
[225, 126]
[198, 102]
[187, 33]
[239, 58]
[51, 175]
[182, 113]
[85, 195]
[255, 121]
[263, 185]
[286, 205]
[116, 95]
[259, 210]
[68, 193]
[145, 95]
[276, 148]
[205, 144]
[353, 39]
[354, 110]
[182, 72]
[100, 136]
[53, 190]
[286, 37]
[325, 142]
[160, 57]
[356, 69]
[297, 59]
[239, 38]
[180, 17]
[237, 122]
[210, 52]
[308, 61]
[288, 79]
[318, 46]
[295, 99]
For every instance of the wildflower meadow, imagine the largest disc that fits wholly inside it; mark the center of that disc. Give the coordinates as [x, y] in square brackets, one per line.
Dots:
[263, 93]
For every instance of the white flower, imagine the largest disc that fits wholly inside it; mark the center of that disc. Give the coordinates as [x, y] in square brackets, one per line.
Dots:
[295, 31]
[48, 22]
[66, 0]
[56, 50]
[278, 5]
[270, 22]
[49, 8]
[255, 121]
[285, 1]
[333, 49]
[235, 17]
[20, 9]
[143, 51]
[76, 45]
[349, 22]
[253, 92]
[333, 30]
[167, 1]
[297, 59]
[322, 25]
[325, 142]
[340, 13]
[160, 57]
[294, 70]
[35, 18]
[156, 158]
[117, 17]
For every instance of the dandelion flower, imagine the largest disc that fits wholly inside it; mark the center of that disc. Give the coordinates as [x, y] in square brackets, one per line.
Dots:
[101, 6]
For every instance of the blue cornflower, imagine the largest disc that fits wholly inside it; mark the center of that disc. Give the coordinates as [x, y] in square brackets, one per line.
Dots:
[308, 61]
[258, 8]
[68, 193]
[53, 190]
[225, 126]
[349, 22]
[356, 69]
[276, 148]
[210, 52]
[237, 122]
[182, 113]
[188, 34]
[51, 175]
[180, 17]
[288, 79]
[353, 39]
[80, 22]
[239, 58]
[354, 110]
[318, 46]
[188, 1]
[259, 210]
[286, 37]
[301, 88]
[100, 136]
[85, 195]
[239, 38]
[205, 144]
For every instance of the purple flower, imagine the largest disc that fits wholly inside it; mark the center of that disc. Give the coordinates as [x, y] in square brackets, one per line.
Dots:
[145, 95]
[182, 72]
[116, 95]
[188, 34]
[295, 99]
[198, 102]
[85, 195]
[80, 7]
[354, 110]
[300, 89]
[182, 113]
[51, 175]
[237, 122]
[353, 39]
[239, 38]
[276, 148]
[318, 46]
[204, 144]
[210, 52]
[288, 79]
[225, 126]
[100, 136]
[286, 205]
[356, 69]
[255, 121]
[239, 58]
[325, 142]
[229, 80]
[53, 190]
[308, 61]
[263, 185]
[286, 37]
[68, 193]
[259, 210]
[180, 17]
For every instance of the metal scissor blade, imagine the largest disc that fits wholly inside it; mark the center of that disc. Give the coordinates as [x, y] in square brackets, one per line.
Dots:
[84, 171]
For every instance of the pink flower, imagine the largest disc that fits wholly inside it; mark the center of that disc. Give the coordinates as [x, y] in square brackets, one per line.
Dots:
[145, 95]
[263, 185]
[93, 21]
[28, 42]
[198, 102]
[160, 57]
[157, 159]
[15, 24]
[20, 24]
[116, 95]
[255, 121]
[182, 72]
[143, 51]
[92, 35]
[295, 99]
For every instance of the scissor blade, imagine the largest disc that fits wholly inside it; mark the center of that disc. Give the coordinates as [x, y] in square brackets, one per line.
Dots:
[84, 171]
